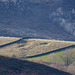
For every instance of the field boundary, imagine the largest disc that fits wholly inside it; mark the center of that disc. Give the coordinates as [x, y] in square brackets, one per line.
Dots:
[54, 51]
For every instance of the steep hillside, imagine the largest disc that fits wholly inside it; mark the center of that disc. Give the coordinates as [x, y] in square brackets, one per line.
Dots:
[10, 66]
[53, 19]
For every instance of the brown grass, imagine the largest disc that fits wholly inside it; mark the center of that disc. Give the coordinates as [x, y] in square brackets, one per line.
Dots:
[4, 40]
[31, 47]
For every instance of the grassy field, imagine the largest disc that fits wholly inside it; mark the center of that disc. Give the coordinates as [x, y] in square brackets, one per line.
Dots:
[4, 40]
[32, 47]
[64, 60]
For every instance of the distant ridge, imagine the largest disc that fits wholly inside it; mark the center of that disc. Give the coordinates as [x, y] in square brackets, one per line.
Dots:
[50, 19]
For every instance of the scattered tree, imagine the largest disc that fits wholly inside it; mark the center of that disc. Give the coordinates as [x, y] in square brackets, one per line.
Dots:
[67, 57]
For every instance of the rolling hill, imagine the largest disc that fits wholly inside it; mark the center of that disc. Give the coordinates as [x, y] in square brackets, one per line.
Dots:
[30, 37]
[48, 52]
[30, 47]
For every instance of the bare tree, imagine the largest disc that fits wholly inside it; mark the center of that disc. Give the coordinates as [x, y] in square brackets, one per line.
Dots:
[68, 57]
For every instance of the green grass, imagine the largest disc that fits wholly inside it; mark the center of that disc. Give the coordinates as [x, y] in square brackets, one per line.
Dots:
[53, 58]
[56, 61]
[31, 47]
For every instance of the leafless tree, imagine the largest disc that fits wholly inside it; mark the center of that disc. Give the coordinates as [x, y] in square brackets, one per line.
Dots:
[68, 57]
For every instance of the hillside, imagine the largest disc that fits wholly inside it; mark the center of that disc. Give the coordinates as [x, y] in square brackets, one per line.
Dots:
[50, 19]
[53, 53]
[10, 66]
[5, 40]
[30, 47]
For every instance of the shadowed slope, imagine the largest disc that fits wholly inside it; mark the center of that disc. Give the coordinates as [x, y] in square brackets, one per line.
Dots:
[30, 17]
[24, 67]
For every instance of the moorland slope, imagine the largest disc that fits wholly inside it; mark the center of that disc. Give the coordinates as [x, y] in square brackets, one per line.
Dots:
[53, 53]
[11, 66]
